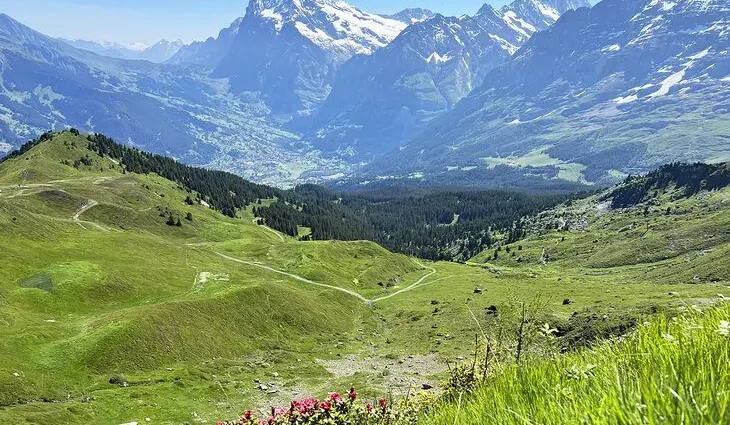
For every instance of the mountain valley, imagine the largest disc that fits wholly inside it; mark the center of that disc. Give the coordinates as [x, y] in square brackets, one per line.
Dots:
[185, 328]
[320, 91]
[518, 215]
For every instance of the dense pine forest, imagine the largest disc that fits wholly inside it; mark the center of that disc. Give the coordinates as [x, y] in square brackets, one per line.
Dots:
[440, 225]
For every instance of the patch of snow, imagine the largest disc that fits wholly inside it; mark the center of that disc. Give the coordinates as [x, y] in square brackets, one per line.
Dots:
[548, 11]
[644, 87]
[518, 24]
[506, 45]
[611, 48]
[701, 54]
[668, 83]
[668, 5]
[627, 99]
[271, 14]
[725, 79]
[438, 59]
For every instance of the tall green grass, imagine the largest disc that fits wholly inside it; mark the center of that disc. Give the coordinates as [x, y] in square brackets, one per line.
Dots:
[671, 371]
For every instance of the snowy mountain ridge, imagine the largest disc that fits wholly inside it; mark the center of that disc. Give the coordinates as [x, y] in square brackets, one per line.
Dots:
[382, 100]
[333, 25]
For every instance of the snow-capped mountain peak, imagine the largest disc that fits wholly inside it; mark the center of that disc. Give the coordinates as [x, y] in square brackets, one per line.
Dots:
[333, 25]
[530, 16]
[412, 15]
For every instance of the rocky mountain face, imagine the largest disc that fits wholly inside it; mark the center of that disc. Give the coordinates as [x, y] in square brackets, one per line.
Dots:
[381, 100]
[158, 52]
[412, 15]
[209, 52]
[606, 91]
[289, 50]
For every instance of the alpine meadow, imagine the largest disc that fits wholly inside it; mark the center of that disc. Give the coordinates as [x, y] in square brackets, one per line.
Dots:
[357, 213]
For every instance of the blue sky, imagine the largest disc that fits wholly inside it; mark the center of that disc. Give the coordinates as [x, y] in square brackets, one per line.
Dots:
[148, 21]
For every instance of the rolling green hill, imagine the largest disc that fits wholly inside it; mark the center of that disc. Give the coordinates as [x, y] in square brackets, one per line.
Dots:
[111, 312]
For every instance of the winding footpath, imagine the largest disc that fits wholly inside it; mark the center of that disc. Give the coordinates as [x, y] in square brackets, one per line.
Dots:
[276, 232]
[76, 218]
[293, 276]
[420, 282]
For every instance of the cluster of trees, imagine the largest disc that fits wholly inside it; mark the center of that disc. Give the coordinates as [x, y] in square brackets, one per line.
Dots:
[688, 178]
[27, 146]
[223, 191]
[443, 225]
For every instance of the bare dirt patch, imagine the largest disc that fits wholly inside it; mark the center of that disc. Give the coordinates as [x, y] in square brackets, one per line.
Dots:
[401, 376]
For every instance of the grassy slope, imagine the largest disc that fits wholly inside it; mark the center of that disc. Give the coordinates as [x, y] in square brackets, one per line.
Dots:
[190, 330]
[126, 297]
[669, 372]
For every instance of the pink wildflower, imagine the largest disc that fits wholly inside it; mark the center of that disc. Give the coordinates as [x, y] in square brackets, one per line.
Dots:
[352, 394]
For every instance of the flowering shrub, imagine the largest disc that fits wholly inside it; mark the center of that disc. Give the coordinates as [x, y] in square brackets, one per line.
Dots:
[335, 410]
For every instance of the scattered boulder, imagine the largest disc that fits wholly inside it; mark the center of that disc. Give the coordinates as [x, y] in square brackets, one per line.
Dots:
[118, 380]
[426, 387]
[567, 301]
[492, 309]
[697, 278]
[478, 291]
[434, 302]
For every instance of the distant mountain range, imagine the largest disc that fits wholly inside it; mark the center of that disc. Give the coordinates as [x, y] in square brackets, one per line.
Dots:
[381, 100]
[318, 90]
[158, 52]
[619, 88]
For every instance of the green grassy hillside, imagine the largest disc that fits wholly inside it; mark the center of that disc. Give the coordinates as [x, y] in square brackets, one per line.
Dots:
[669, 372]
[108, 314]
